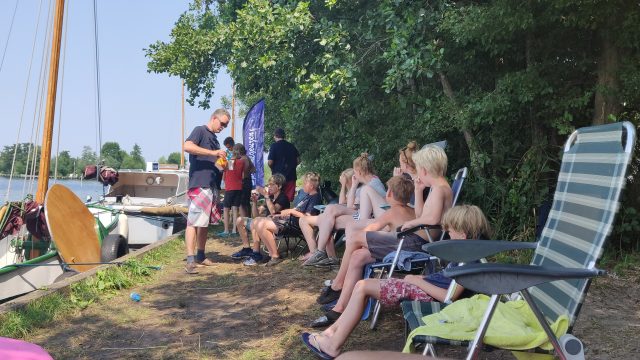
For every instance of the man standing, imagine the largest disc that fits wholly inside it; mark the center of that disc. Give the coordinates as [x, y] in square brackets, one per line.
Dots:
[204, 149]
[283, 159]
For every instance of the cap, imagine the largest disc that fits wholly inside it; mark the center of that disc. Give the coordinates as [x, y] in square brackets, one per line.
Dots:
[279, 132]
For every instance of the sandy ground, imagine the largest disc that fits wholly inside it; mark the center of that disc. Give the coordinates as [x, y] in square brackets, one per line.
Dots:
[235, 312]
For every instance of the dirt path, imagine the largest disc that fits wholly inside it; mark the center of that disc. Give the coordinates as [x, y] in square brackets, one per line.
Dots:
[237, 312]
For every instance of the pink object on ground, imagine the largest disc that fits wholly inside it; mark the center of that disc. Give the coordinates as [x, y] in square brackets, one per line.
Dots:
[12, 349]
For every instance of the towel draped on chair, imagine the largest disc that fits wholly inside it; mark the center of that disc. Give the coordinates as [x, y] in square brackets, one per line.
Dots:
[513, 326]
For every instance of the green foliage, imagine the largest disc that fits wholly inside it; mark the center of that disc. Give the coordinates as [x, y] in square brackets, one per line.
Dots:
[112, 155]
[20, 158]
[504, 82]
[133, 160]
[174, 158]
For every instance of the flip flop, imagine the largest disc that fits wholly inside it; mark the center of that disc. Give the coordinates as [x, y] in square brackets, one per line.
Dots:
[204, 263]
[306, 339]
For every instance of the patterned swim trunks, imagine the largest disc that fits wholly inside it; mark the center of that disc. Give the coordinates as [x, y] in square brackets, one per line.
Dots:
[200, 206]
[393, 291]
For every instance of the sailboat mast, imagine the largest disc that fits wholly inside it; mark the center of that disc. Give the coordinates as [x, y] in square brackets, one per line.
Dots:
[182, 132]
[43, 174]
[233, 110]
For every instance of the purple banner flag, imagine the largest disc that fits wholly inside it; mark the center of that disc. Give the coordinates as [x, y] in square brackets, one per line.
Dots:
[253, 138]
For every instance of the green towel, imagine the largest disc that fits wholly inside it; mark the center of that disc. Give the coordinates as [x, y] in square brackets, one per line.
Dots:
[513, 325]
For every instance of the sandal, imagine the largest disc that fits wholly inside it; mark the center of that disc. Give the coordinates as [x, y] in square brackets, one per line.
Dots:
[306, 339]
[204, 263]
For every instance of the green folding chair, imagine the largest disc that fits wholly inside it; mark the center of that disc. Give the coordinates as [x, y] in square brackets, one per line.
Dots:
[591, 179]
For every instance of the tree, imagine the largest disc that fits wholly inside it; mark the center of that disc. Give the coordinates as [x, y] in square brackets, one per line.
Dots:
[348, 76]
[174, 158]
[112, 155]
[24, 155]
[134, 159]
[88, 157]
[65, 164]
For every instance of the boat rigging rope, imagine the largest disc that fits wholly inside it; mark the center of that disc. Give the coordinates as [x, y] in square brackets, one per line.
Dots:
[64, 60]
[6, 44]
[98, 102]
[24, 103]
[35, 131]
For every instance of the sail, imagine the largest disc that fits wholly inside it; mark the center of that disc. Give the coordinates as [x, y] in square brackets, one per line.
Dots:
[253, 138]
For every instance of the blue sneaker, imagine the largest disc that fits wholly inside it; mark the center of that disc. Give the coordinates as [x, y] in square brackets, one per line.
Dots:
[243, 253]
[223, 234]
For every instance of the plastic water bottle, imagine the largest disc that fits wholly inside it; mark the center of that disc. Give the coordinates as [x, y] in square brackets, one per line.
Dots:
[135, 296]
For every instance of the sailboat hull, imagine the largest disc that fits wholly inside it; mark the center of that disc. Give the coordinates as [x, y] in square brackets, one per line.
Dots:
[22, 280]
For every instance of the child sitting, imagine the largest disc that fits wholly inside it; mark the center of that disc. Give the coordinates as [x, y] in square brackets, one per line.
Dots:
[266, 228]
[275, 201]
[431, 163]
[400, 190]
[462, 222]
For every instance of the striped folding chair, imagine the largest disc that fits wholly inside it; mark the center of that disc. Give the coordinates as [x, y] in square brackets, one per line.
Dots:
[591, 179]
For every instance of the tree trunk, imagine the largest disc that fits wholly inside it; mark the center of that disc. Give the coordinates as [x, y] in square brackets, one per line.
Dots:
[607, 86]
[468, 137]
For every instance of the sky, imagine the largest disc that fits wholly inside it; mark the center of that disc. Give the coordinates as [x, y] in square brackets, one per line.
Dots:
[137, 107]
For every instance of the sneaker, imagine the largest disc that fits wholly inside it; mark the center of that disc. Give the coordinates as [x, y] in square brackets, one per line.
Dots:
[328, 295]
[250, 262]
[330, 261]
[315, 258]
[190, 268]
[274, 261]
[234, 234]
[223, 234]
[253, 260]
[244, 253]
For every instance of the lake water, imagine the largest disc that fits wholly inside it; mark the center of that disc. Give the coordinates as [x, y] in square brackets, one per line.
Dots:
[20, 187]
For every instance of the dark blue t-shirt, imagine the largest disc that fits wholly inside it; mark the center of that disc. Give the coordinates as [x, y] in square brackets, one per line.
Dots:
[285, 159]
[308, 203]
[202, 170]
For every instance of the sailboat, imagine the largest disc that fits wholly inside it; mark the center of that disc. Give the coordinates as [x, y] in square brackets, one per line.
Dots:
[35, 256]
[151, 203]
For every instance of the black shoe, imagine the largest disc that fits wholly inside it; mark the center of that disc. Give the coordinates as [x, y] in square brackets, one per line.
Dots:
[244, 253]
[328, 306]
[328, 295]
[325, 320]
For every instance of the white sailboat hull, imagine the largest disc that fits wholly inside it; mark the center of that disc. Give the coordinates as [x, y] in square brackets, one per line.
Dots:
[138, 191]
[25, 279]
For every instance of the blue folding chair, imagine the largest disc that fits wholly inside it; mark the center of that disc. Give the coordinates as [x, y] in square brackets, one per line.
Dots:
[456, 188]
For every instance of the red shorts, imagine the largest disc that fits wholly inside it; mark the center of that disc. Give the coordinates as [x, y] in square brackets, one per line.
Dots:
[289, 189]
[393, 291]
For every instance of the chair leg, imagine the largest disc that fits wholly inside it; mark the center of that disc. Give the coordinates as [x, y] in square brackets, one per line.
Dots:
[474, 348]
[376, 309]
[429, 349]
[545, 325]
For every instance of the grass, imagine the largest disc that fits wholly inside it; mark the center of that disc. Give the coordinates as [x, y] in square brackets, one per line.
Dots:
[20, 323]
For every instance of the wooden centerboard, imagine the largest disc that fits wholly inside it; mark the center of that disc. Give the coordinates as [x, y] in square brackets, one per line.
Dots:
[72, 228]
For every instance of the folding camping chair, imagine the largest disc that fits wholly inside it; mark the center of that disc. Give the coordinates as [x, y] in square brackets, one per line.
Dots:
[591, 179]
[292, 234]
[456, 188]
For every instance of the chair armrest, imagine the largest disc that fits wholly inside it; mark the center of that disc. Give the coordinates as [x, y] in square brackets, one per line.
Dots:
[496, 279]
[470, 250]
[416, 228]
